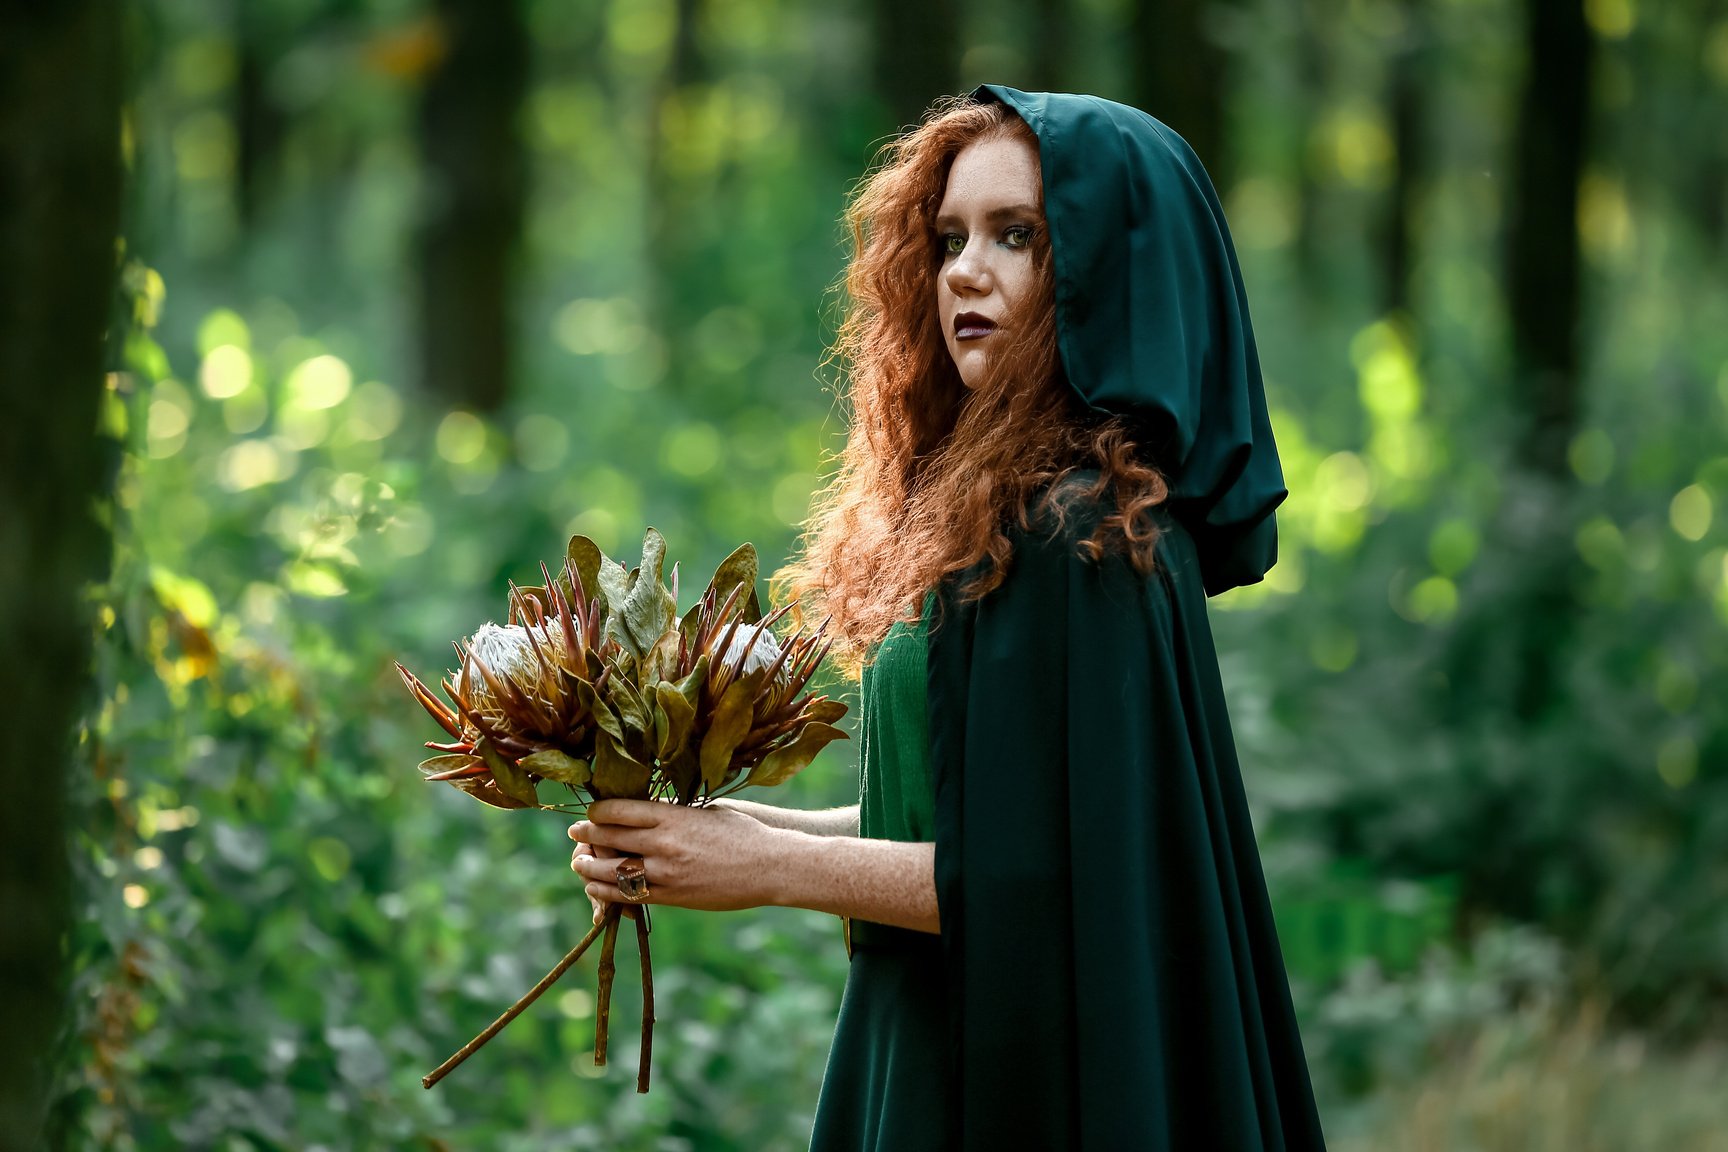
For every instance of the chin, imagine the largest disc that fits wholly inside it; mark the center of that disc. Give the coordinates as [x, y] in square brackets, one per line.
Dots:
[971, 371]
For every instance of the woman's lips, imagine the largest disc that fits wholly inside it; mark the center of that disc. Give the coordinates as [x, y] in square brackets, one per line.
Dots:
[972, 326]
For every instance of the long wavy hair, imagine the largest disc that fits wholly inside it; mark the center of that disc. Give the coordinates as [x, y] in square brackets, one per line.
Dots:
[933, 473]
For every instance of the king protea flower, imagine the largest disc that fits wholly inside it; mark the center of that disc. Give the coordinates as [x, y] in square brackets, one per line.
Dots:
[594, 682]
[523, 700]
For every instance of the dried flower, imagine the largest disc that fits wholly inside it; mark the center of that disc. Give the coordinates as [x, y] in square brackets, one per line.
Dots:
[595, 683]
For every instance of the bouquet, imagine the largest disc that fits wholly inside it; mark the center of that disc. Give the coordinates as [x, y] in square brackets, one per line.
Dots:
[595, 688]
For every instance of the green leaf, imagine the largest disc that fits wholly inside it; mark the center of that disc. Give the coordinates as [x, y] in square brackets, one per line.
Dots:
[738, 568]
[598, 708]
[657, 714]
[684, 772]
[631, 709]
[617, 775]
[691, 686]
[553, 764]
[789, 759]
[726, 729]
[512, 781]
[680, 717]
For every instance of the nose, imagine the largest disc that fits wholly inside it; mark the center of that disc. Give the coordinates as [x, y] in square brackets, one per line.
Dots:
[968, 273]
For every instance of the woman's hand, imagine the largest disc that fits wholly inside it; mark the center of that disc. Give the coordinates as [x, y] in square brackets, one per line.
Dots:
[717, 859]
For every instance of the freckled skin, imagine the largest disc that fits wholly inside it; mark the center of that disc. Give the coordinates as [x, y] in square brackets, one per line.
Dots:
[738, 854]
[990, 207]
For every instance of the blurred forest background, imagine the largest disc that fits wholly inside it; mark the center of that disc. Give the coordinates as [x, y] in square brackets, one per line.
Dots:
[409, 290]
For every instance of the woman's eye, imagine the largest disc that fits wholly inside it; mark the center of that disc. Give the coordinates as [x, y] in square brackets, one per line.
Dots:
[953, 244]
[1018, 236]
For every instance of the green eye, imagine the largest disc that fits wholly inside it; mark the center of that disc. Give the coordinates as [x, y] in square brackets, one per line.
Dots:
[952, 243]
[1018, 236]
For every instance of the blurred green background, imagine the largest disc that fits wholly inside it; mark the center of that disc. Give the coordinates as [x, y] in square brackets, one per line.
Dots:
[409, 291]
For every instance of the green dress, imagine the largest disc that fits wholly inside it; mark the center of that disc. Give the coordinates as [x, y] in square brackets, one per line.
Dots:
[1107, 974]
[886, 1086]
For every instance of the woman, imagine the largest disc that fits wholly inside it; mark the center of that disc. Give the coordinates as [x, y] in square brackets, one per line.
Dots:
[1059, 448]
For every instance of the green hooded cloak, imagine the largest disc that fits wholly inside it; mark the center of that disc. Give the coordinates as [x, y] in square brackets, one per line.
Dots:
[1108, 974]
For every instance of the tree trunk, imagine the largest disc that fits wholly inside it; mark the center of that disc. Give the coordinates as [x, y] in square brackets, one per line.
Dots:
[1311, 78]
[258, 121]
[1410, 81]
[1178, 76]
[916, 54]
[1542, 255]
[475, 192]
[1706, 178]
[675, 204]
[1543, 275]
[60, 84]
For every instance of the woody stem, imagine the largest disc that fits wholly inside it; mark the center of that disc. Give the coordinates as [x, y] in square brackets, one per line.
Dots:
[642, 1061]
[603, 1011]
[513, 1011]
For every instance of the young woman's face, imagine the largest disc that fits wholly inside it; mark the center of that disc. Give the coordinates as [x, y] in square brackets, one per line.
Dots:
[984, 229]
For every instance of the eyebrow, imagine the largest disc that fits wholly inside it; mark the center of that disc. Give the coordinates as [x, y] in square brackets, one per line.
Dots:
[1001, 213]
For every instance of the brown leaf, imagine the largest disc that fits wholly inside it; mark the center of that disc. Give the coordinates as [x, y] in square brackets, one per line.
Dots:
[453, 766]
[788, 760]
[740, 568]
[512, 781]
[680, 717]
[825, 710]
[485, 790]
[726, 729]
[684, 772]
[661, 663]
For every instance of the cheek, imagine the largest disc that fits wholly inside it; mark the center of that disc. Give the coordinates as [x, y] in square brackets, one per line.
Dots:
[1018, 285]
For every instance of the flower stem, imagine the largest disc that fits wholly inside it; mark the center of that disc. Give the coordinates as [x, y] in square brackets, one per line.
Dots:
[513, 1011]
[603, 1013]
[643, 1060]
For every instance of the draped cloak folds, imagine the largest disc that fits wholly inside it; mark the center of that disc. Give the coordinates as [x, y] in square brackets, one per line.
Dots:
[1111, 971]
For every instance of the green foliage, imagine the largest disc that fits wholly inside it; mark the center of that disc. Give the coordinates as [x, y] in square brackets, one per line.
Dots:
[283, 930]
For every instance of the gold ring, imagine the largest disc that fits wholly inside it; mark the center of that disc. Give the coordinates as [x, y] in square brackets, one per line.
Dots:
[632, 877]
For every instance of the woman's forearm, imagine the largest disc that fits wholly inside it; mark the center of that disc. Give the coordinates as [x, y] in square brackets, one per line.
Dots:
[824, 822]
[728, 855]
[888, 881]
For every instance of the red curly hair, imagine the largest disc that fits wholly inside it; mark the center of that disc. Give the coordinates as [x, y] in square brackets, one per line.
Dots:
[933, 472]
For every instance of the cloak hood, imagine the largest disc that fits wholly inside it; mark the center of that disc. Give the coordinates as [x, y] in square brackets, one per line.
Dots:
[1153, 320]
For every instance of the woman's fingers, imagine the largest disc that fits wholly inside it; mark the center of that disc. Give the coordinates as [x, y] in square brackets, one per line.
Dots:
[600, 871]
[618, 837]
[636, 813]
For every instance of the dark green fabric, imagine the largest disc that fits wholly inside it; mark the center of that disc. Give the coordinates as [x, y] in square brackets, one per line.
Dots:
[895, 797]
[886, 1085]
[1113, 974]
[1153, 319]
